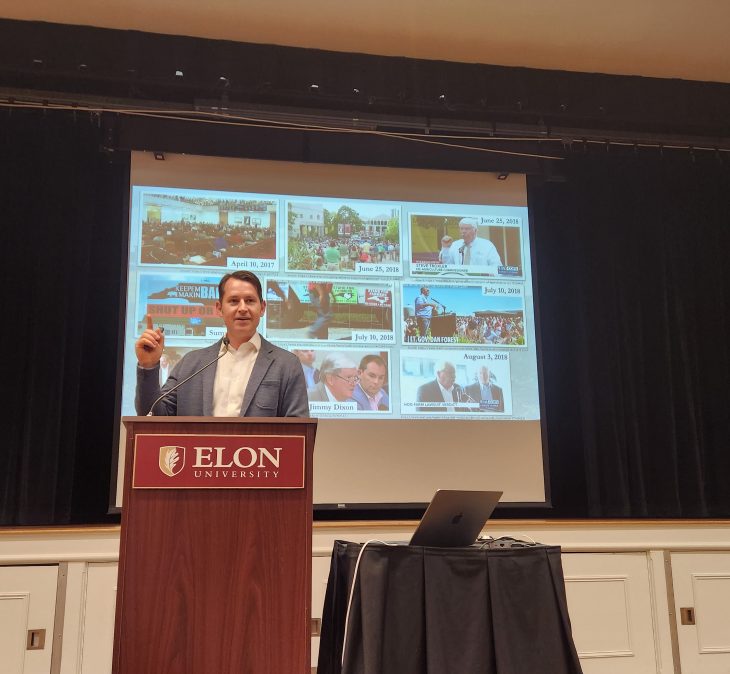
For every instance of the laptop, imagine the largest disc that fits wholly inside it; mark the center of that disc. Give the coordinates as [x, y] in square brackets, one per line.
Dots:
[455, 518]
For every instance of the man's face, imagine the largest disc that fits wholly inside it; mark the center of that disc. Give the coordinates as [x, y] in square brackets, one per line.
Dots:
[241, 310]
[447, 376]
[372, 378]
[306, 356]
[425, 292]
[484, 375]
[468, 233]
[342, 383]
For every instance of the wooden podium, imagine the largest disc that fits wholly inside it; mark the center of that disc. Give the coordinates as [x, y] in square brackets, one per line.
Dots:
[443, 325]
[215, 578]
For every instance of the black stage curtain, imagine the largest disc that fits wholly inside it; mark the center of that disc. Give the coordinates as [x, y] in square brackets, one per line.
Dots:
[633, 272]
[63, 204]
[634, 308]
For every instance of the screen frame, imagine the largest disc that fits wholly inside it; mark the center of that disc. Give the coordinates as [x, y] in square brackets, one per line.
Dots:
[368, 510]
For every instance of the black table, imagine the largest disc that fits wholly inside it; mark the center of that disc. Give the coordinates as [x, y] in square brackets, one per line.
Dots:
[419, 610]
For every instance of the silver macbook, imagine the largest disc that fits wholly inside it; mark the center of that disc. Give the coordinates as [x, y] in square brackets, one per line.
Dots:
[454, 518]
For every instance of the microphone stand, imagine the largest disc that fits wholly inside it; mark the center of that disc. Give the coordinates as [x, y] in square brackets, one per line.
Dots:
[443, 306]
[471, 400]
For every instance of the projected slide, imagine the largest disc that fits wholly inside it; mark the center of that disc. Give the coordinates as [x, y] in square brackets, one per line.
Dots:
[343, 236]
[466, 315]
[346, 382]
[395, 309]
[455, 382]
[203, 229]
[321, 310]
[466, 245]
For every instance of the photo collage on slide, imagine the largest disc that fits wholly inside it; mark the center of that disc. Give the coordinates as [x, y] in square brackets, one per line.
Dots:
[394, 309]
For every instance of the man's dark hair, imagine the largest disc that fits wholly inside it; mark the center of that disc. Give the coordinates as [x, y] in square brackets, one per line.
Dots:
[371, 358]
[247, 276]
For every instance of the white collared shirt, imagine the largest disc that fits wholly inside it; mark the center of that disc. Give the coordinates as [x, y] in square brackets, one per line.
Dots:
[479, 253]
[330, 397]
[232, 375]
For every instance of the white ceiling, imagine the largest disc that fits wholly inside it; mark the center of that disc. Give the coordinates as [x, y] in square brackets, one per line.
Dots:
[659, 38]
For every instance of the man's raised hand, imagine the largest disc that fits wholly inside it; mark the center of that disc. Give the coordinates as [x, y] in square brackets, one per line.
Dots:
[150, 345]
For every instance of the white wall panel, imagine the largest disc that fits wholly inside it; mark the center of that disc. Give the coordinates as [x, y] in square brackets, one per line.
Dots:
[98, 620]
[702, 582]
[27, 601]
[615, 572]
[13, 625]
[610, 605]
[320, 573]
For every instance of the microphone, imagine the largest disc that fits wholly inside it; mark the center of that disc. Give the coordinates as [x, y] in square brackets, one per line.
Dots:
[226, 342]
[461, 253]
[462, 392]
[439, 303]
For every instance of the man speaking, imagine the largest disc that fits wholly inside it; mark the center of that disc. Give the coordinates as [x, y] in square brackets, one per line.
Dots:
[473, 250]
[247, 377]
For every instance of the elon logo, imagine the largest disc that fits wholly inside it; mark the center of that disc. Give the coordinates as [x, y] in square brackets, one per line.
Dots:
[172, 459]
[210, 461]
[457, 518]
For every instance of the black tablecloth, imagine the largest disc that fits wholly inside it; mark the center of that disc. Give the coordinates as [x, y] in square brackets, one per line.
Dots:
[447, 610]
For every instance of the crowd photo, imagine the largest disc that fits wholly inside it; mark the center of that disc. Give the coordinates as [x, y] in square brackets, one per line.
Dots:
[485, 327]
[331, 236]
[204, 231]
[451, 314]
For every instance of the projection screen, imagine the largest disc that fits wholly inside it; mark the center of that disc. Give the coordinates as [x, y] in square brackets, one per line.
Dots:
[416, 284]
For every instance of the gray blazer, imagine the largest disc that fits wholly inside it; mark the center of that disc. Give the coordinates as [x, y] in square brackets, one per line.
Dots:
[276, 387]
[474, 391]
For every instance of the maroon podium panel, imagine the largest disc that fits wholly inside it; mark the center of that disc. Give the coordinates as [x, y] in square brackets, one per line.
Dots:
[218, 461]
[215, 552]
